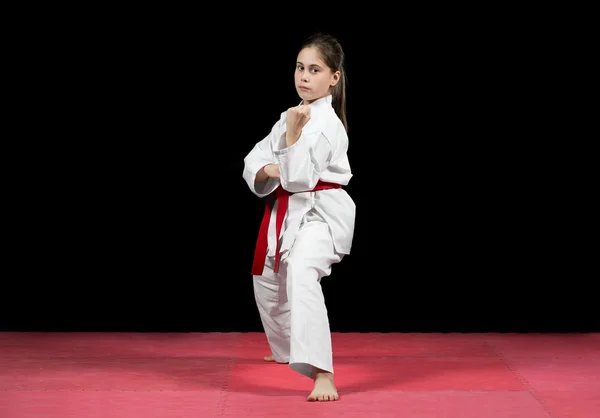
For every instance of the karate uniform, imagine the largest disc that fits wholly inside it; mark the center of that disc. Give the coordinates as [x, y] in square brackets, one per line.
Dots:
[316, 232]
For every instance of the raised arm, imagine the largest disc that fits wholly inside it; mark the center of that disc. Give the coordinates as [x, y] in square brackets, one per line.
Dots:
[301, 156]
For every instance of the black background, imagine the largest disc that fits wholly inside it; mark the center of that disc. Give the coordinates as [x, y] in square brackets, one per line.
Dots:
[130, 212]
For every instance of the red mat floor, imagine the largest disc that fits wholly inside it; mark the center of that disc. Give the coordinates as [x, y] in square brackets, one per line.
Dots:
[91, 375]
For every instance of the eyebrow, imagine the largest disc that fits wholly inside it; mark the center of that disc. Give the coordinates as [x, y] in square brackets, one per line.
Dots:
[312, 65]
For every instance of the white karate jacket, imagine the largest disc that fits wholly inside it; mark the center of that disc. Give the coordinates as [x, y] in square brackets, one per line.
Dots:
[319, 154]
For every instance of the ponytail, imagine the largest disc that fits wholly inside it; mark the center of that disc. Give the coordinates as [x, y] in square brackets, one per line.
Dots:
[339, 98]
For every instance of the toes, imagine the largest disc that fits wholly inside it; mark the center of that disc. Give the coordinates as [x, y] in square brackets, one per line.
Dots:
[322, 397]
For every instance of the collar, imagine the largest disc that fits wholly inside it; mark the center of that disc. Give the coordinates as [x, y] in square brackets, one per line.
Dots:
[322, 102]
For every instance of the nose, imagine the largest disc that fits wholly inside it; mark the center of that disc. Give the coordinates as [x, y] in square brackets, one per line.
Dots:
[304, 76]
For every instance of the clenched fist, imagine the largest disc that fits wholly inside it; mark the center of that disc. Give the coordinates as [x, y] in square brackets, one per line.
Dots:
[267, 172]
[296, 118]
[272, 170]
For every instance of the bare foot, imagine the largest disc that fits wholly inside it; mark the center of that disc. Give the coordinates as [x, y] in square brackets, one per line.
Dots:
[324, 389]
[271, 359]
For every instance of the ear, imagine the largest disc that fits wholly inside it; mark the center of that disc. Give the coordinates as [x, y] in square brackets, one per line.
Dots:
[335, 78]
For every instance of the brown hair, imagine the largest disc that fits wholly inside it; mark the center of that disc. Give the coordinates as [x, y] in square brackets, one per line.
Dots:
[333, 55]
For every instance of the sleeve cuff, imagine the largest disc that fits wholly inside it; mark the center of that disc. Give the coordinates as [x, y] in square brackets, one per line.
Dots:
[283, 151]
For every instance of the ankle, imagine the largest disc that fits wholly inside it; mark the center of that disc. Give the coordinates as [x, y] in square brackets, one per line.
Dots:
[318, 373]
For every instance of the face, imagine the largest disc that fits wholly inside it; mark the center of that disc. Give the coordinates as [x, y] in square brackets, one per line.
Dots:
[313, 78]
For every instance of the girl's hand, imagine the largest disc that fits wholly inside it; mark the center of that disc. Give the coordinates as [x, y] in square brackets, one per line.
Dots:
[296, 118]
[272, 170]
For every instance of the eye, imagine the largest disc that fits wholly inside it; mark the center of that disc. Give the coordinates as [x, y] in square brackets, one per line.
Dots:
[299, 68]
[315, 70]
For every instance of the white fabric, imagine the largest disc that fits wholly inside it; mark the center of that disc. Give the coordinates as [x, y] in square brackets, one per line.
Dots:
[291, 303]
[320, 153]
[317, 232]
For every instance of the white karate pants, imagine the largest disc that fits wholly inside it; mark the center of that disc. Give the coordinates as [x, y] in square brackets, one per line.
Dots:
[291, 303]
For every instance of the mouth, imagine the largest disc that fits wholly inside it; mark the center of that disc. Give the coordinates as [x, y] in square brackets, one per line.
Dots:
[303, 88]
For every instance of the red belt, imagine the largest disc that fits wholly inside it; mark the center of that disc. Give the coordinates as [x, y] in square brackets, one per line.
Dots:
[282, 196]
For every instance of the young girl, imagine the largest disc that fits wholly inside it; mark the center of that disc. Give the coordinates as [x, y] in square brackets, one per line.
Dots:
[308, 223]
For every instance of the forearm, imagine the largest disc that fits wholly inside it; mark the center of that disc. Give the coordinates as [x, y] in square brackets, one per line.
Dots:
[261, 175]
[291, 138]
